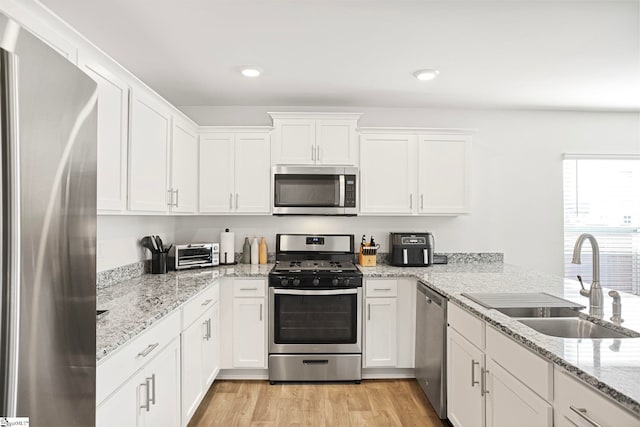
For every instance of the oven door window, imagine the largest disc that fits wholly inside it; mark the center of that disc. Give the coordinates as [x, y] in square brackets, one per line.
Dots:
[307, 190]
[315, 319]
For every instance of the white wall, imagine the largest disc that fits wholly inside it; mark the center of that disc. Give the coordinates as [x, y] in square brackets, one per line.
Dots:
[516, 179]
[119, 238]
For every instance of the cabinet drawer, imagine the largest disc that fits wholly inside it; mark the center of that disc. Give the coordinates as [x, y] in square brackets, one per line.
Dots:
[381, 288]
[114, 370]
[523, 364]
[249, 287]
[469, 326]
[570, 392]
[198, 304]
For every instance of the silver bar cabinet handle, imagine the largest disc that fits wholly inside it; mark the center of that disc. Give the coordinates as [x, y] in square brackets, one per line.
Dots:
[208, 329]
[422, 201]
[382, 289]
[473, 372]
[148, 350]
[206, 302]
[318, 155]
[146, 405]
[483, 378]
[236, 200]
[410, 201]
[313, 153]
[170, 197]
[230, 201]
[261, 312]
[153, 393]
[177, 197]
[248, 289]
[582, 412]
[368, 311]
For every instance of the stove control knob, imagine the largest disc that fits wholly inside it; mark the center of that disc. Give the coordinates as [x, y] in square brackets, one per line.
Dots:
[284, 282]
[296, 282]
[316, 281]
[335, 282]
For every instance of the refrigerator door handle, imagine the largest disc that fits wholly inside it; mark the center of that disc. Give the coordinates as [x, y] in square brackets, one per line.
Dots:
[10, 252]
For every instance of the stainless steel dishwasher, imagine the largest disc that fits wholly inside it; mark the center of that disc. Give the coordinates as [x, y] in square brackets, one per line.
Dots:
[431, 361]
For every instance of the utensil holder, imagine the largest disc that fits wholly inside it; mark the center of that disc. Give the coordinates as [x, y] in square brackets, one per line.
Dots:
[159, 262]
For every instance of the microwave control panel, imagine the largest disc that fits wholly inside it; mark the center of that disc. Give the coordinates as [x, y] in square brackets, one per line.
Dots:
[350, 191]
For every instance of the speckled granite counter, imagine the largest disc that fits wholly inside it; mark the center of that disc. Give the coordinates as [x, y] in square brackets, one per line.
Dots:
[610, 365]
[136, 304]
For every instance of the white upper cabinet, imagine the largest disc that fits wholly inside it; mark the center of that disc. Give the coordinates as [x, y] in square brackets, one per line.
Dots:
[183, 193]
[148, 153]
[315, 138]
[387, 174]
[443, 174]
[235, 170]
[414, 171]
[113, 110]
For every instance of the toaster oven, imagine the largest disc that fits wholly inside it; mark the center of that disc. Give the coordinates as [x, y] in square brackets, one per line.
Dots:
[194, 255]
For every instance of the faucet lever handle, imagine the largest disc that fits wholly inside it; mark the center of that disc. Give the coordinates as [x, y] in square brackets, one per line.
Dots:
[583, 291]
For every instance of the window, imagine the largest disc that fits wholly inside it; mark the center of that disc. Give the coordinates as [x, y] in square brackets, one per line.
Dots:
[602, 197]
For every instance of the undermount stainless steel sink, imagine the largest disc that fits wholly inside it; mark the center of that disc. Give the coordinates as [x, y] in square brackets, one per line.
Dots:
[539, 311]
[570, 328]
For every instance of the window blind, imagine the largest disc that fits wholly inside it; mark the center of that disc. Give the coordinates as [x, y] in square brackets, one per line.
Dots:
[602, 197]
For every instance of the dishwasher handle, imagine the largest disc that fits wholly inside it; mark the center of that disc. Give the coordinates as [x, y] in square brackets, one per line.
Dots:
[431, 295]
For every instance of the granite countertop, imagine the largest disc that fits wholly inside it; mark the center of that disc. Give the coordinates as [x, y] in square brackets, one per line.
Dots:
[610, 365]
[135, 304]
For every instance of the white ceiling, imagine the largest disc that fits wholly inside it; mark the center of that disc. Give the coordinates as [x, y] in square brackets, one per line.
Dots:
[505, 54]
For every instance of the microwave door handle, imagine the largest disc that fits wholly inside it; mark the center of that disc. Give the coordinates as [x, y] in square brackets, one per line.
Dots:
[342, 191]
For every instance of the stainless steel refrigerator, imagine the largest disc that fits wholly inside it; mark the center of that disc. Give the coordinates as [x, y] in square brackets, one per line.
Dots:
[48, 234]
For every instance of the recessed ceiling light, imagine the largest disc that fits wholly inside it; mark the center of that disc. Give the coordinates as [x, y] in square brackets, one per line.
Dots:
[426, 74]
[251, 72]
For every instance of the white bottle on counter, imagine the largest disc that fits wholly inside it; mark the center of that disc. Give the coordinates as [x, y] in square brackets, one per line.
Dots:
[255, 251]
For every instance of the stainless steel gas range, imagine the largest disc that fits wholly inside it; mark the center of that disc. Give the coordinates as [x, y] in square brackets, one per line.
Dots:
[315, 310]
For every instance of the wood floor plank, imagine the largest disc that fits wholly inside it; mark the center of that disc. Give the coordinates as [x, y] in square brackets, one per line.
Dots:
[258, 404]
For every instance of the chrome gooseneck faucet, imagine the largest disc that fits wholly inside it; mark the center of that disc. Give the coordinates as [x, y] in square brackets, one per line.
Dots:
[595, 292]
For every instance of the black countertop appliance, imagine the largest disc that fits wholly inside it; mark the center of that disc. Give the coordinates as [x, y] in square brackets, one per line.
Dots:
[411, 249]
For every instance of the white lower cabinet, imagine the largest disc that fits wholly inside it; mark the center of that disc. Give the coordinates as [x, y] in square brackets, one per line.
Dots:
[576, 404]
[243, 312]
[509, 402]
[249, 333]
[389, 323]
[150, 398]
[380, 332]
[481, 391]
[465, 364]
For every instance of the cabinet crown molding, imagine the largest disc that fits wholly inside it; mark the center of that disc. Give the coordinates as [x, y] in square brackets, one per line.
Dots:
[317, 115]
[417, 130]
[227, 129]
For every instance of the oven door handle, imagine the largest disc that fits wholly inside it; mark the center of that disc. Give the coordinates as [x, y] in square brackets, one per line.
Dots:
[315, 292]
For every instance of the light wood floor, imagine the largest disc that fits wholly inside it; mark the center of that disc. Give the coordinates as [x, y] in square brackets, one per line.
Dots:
[372, 403]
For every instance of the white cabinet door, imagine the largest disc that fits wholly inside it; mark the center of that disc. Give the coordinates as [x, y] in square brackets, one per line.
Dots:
[252, 173]
[510, 403]
[387, 174]
[123, 407]
[406, 327]
[294, 141]
[164, 372]
[184, 167]
[216, 173]
[465, 404]
[443, 174]
[113, 110]
[249, 333]
[193, 341]
[211, 348]
[336, 141]
[380, 332]
[148, 150]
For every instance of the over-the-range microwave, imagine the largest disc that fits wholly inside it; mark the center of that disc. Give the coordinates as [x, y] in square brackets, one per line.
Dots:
[315, 190]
